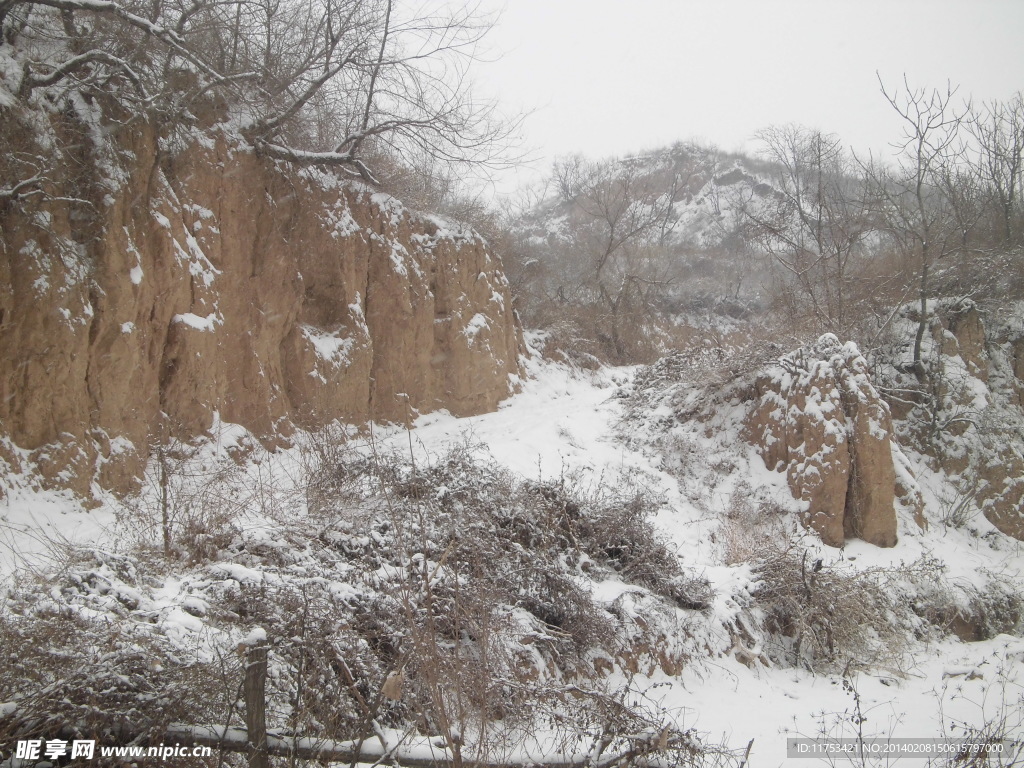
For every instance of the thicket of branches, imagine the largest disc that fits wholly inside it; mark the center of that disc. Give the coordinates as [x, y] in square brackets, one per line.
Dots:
[344, 83]
[445, 601]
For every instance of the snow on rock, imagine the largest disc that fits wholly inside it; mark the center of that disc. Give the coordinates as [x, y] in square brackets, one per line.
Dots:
[329, 346]
[963, 424]
[207, 323]
[476, 324]
[274, 296]
[818, 418]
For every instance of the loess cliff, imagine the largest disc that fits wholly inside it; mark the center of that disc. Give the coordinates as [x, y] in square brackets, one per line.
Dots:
[862, 448]
[146, 295]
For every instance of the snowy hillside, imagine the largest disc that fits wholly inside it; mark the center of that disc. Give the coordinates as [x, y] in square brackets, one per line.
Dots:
[519, 539]
[931, 686]
[646, 254]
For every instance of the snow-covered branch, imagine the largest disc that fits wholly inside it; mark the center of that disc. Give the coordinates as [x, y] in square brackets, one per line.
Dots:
[36, 80]
[315, 81]
[23, 188]
[302, 157]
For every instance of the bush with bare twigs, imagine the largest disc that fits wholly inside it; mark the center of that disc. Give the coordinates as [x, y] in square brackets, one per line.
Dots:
[447, 600]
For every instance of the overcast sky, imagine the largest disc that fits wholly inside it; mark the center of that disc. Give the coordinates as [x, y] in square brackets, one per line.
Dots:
[610, 77]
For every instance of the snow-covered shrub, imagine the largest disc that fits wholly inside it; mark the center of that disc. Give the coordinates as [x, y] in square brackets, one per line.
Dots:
[1001, 710]
[608, 526]
[461, 521]
[824, 617]
[70, 669]
[619, 530]
[332, 650]
[332, 470]
[188, 505]
[566, 341]
[473, 583]
[749, 523]
[448, 599]
[970, 611]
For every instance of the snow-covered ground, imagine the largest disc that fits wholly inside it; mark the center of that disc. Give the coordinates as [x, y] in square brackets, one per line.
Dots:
[570, 422]
[566, 421]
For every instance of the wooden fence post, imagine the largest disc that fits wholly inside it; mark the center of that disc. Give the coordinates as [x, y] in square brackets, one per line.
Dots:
[256, 704]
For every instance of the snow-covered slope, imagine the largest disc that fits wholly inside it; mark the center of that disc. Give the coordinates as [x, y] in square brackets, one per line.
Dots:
[719, 652]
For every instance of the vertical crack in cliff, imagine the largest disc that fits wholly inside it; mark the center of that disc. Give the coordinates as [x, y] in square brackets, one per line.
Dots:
[218, 282]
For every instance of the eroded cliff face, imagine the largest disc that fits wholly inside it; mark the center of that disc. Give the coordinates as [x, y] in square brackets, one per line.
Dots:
[817, 417]
[968, 424]
[167, 291]
[852, 441]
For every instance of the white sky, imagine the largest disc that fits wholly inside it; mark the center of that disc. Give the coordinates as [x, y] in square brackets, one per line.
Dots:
[609, 77]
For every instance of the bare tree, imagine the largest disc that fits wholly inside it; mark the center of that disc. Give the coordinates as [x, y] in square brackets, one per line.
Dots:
[815, 225]
[911, 197]
[619, 228]
[309, 81]
[998, 129]
[570, 176]
[604, 249]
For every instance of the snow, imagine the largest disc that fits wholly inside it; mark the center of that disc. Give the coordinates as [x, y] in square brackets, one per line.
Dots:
[568, 422]
[389, 205]
[331, 347]
[258, 636]
[476, 324]
[37, 527]
[204, 323]
[567, 425]
[240, 573]
[339, 221]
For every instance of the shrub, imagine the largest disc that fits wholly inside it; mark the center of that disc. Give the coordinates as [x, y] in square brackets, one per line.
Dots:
[825, 617]
[970, 612]
[447, 598]
[191, 506]
[69, 669]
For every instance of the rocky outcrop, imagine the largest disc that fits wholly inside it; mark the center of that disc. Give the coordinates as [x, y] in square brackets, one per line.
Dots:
[961, 332]
[981, 447]
[165, 293]
[966, 420]
[817, 417]
[1001, 489]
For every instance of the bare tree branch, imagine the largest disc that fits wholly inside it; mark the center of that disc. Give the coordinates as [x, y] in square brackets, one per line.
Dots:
[32, 80]
[314, 81]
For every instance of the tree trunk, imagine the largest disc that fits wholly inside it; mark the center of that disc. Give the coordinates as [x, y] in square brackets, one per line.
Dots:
[256, 706]
[922, 322]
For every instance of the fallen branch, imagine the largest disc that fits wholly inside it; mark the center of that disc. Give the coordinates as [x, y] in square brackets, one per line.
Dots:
[421, 756]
